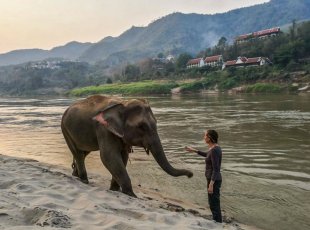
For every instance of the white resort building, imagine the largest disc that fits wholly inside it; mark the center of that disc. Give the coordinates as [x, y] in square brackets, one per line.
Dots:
[244, 61]
[212, 61]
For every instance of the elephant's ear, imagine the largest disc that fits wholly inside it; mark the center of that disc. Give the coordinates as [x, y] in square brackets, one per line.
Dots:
[111, 118]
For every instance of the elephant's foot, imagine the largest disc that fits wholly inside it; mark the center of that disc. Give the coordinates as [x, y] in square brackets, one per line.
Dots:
[129, 193]
[84, 178]
[75, 173]
[85, 181]
[115, 187]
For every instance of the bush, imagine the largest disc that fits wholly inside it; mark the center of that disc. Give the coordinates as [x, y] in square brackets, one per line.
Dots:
[264, 88]
[228, 83]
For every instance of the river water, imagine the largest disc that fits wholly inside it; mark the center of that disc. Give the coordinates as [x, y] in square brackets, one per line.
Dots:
[265, 141]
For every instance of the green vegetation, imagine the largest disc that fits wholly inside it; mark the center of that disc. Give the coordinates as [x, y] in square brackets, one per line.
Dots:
[264, 88]
[141, 88]
[221, 80]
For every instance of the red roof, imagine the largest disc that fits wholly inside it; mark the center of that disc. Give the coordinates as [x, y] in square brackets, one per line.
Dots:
[212, 58]
[243, 59]
[232, 62]
[259, 33]
[194, 61]
[253, 60]
[266, 32]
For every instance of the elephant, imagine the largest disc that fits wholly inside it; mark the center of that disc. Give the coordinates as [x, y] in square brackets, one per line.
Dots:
[113, 125]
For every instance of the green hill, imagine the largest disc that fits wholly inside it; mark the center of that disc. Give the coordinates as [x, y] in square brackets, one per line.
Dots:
[173, 34]
[191, 33]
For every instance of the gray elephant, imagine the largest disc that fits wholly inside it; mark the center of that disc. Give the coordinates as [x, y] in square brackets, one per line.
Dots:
[113, 126]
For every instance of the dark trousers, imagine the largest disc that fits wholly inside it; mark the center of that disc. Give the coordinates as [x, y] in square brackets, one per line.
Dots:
[214, 201]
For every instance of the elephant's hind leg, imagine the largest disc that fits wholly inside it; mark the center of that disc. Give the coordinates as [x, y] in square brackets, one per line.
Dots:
[75, 171]
[114, 185]
[78, 164]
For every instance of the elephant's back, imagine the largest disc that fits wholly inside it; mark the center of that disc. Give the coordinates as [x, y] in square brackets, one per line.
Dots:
[77, 122]
[84, 110]
[95, 103]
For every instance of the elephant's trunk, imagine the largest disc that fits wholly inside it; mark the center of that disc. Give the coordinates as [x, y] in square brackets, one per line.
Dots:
[159, 155]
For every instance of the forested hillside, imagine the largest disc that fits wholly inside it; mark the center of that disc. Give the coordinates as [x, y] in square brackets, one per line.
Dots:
[289, 53]
[173, 34]
[177, 33]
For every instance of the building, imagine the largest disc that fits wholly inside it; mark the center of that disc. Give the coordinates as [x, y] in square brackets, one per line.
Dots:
[214, 61]
[170, 58]
[194, 63]
[258, 35]
[46, 64]
[244, 62]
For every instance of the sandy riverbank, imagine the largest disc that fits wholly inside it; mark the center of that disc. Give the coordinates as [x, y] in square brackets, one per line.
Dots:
[35, 195]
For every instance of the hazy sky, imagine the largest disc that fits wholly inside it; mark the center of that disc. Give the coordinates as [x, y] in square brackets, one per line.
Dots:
[48, 23]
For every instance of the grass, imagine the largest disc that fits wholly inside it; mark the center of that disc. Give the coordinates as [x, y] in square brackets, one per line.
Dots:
[264, 88]
[135, 88]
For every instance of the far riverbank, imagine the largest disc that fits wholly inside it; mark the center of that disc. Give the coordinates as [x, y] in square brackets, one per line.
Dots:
[186, 87]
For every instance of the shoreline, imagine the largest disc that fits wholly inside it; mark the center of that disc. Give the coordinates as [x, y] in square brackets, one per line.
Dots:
[36, 195]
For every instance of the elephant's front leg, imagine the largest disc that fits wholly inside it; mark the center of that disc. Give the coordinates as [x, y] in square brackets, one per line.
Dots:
[112, 158]
[114, 185]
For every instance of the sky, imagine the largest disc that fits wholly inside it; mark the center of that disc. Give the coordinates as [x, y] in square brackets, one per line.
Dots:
[46, 24]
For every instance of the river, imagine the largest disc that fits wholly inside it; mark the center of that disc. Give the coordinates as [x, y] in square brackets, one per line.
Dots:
[265, 141]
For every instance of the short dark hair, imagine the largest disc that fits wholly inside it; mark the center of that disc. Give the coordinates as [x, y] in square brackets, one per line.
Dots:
[213, 135]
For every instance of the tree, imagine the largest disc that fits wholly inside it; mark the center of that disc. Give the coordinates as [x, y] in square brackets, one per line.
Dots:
[182, 60]
[169, 68]
[160, 55]
[146, 65]
[303, 34]
[283, 55]
[109, 81]
[222, 42]
[132, 73]
[293, 30]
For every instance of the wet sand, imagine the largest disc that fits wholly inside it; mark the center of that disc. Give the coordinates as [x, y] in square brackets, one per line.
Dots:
[244, 198]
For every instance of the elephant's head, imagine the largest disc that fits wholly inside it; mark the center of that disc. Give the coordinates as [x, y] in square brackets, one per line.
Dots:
[134, 122]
